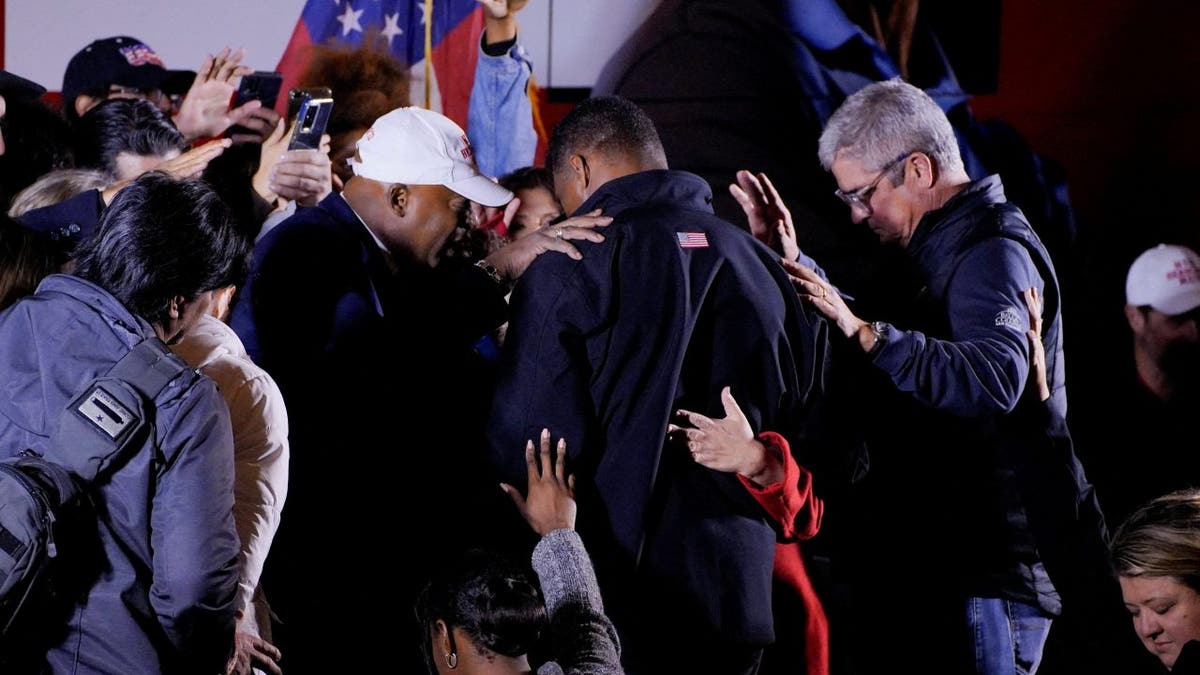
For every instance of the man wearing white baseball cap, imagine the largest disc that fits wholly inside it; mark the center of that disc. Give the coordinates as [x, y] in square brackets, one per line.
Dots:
[1137, 435]
[369, 333]
[1162, 296]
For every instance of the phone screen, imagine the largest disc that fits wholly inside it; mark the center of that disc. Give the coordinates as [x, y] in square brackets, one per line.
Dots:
[311, 120]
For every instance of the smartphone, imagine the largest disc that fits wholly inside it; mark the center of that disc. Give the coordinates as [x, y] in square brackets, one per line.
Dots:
[311, 120]
[298, 96]
[260, 85]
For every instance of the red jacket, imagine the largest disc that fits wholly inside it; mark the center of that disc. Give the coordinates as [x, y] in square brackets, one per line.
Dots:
[792, 504]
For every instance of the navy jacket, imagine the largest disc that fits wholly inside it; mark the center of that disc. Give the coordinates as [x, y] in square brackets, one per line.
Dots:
[959, 358]
[602, 350]
[70, 221]
[166, 603]
[370, 362]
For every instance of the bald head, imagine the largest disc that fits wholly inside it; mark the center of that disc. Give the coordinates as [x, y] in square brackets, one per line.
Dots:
[599, 140]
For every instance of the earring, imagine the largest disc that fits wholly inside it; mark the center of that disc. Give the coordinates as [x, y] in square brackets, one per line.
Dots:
[451, 660]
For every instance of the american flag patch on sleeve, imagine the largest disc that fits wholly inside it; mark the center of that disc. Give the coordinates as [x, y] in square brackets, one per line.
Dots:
[692, 239]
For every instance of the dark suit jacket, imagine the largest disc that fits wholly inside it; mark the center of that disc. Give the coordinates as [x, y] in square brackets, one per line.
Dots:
[602, 350]
[372, 368]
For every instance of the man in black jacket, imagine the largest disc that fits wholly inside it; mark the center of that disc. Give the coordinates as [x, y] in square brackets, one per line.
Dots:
[672, 306]
[950, 367]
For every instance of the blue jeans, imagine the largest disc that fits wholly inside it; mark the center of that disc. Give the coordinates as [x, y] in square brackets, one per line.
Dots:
[1008, 636]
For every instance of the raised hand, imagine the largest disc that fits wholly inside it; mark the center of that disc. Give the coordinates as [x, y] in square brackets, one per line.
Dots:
[727, 445]
[205, 111]
[770, 220]
[193, 162]
[258, 126]
[549, 503]
[500, 9]
[812, 288]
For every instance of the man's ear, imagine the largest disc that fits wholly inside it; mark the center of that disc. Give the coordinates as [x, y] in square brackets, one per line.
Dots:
[1135, 317]
[222, 297]
[580, 172]
[175, 307]
[398, 199]
[922, 169]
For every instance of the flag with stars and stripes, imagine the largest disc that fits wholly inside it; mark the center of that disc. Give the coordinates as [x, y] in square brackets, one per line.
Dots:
[692, 239]
[435, 38]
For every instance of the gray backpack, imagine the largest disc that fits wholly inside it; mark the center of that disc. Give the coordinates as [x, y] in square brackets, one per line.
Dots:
[49, 535]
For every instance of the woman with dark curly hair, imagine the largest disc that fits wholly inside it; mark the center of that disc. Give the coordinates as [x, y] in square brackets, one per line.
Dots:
[367, 83]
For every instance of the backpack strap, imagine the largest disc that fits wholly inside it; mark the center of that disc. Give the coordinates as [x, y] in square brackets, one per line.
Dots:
[148, 367]
[113, 410]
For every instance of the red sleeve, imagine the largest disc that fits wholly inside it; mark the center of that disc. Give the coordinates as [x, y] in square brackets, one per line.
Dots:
[791, 501]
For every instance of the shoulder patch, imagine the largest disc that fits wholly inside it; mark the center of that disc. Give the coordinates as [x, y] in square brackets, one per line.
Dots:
[1009, 317]
[692, 239]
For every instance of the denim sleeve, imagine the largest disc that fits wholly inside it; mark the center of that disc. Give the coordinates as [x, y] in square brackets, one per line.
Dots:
[500, 115]
[981, 367]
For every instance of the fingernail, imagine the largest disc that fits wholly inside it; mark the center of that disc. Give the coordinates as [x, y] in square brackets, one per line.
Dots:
[528, 445]
[546, 432]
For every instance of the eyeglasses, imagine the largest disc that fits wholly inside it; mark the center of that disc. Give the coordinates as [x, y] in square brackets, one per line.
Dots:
[861, 198]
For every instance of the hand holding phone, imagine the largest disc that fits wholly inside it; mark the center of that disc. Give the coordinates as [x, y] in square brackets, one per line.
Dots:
[259, 86]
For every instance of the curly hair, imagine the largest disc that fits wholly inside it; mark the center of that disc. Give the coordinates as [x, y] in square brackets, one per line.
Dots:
[367, 82]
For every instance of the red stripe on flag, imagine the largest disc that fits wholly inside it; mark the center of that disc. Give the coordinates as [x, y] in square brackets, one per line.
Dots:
[454, 66]
[293, 62]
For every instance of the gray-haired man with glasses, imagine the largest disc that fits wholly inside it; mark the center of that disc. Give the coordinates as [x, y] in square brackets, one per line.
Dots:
[946, 390]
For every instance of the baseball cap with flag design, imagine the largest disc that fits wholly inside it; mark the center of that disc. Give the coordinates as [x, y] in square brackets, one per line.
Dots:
[121, 60]
[421, 147]
[1166, 278]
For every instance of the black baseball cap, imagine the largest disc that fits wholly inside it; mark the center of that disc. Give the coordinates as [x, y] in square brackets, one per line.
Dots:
[17, 87]
[122, 60]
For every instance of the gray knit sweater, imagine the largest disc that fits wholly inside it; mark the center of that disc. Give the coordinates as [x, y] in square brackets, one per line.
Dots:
[585, 642]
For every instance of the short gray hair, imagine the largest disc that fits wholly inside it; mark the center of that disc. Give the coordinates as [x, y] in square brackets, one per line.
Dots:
[1161, 539]
[887, 120]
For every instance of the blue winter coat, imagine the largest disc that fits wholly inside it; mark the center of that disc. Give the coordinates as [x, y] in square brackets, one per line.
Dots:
[166, 601]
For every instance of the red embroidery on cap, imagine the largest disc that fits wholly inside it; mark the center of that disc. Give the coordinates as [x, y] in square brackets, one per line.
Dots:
[1185, 273]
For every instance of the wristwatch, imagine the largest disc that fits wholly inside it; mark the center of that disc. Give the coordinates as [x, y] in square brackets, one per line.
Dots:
[880, 330]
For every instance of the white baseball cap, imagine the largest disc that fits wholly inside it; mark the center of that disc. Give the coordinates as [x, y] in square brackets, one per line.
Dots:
[420, 147]
[1167, 278]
